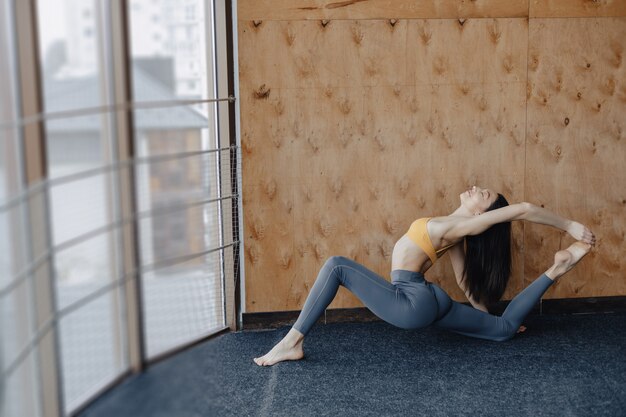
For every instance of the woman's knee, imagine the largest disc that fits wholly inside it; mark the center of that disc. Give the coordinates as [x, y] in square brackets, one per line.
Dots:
[504, 337]
[332, 267]
[506, 333]
[336, 261]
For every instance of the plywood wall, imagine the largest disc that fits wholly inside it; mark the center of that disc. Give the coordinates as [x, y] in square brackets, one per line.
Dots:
[576, 144]
[358, 117]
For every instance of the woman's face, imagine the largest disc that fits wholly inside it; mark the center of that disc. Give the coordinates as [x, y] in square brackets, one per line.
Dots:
[477, 200]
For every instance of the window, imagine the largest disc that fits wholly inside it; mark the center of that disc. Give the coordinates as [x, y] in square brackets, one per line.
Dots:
[83, 209]
[182, 300]
[190, 12]
[181, 205]
[19, 393]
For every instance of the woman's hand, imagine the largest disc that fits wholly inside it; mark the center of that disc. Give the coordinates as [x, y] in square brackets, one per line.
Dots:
[581, 232]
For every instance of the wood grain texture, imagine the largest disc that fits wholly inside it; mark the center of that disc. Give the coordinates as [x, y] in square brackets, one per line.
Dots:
[577, 8]
[576, 146]
[378, 9]
[443, 51]
[343, 147]
[352, 128]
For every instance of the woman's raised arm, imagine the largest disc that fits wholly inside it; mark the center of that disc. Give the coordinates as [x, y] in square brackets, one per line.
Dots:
[464, 226]
[577, 230]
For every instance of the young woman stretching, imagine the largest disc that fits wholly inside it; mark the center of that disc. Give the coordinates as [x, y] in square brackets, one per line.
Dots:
[477, 236]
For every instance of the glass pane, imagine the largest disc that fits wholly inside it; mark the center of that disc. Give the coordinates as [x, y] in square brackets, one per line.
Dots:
[182, 303]
[169, 49]
[73, 79]
[19, 390]
[84, 268]
[12, 253]
[20, 396]
[91, 352]
[83, 201]
[79, 206]
[15, 322]
[11, 250]
[81, 224]
[182, 299]
[7, 64]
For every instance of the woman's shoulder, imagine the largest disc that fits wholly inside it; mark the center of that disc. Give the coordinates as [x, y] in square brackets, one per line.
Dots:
[439, 227]
[443, 220]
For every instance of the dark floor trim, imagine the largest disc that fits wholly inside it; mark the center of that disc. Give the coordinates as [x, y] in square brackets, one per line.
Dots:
[252, 321]
[590, 305]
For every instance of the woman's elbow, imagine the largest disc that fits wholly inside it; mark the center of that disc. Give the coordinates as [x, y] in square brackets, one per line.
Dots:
[526, 209]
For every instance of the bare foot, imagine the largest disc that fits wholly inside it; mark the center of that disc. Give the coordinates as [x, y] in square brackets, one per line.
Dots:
[285, 350]
[564, 260]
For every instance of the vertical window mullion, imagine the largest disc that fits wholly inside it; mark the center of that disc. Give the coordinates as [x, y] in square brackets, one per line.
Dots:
[124, 137]
[223, 131]
[214, 92]
[110, 149]
[39, 232]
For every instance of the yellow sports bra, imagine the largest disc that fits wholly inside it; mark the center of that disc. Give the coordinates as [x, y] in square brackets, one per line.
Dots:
[418, 233]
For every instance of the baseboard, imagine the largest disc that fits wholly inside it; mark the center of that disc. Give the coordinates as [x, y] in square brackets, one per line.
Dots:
[592, 305]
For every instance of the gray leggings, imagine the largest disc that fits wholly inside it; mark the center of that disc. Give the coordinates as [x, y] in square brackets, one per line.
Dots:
[411, 302]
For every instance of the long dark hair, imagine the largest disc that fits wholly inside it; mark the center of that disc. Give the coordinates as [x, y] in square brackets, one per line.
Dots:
[488, 260]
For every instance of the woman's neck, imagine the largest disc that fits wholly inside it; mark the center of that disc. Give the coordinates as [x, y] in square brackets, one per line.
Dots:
[461, 211]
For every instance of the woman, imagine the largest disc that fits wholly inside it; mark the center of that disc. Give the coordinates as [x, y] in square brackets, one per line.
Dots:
[477, 235]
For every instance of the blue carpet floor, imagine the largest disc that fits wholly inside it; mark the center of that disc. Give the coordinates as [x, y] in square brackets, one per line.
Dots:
[572, 365]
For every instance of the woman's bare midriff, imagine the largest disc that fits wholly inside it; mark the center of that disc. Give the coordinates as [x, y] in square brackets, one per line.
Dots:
[408, 256]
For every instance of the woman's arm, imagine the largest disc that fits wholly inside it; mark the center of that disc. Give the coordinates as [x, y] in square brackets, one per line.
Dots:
[540, 215]
[457, 257]
[465, 226]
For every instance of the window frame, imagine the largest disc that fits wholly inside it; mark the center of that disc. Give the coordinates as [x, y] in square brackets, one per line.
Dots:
[46, 344]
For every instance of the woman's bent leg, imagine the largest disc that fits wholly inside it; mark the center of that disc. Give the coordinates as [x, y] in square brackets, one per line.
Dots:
[379, 295]
[409, 305]
[469, 321]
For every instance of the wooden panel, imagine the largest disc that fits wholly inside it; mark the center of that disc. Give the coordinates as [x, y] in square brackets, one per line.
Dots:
[443, 51]
[269, 250]
[266, 150]
[576, 146]
[378, 9]
[305, 54]
[577, 8]
[267, 199]
[352, 130]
